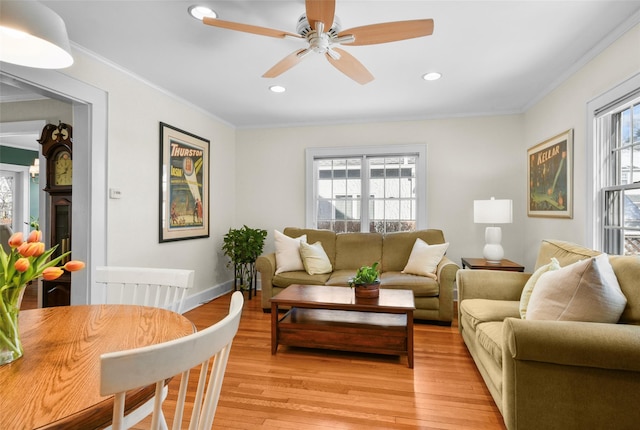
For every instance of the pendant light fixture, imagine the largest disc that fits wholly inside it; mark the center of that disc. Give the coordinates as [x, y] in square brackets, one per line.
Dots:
[33, 35]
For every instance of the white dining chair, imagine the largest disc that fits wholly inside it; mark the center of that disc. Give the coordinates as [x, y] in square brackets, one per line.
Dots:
[135, 368]
[146, 286]
[160, 288]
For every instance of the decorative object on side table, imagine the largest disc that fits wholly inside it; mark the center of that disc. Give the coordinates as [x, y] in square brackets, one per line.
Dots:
[493, 212]
[366, 282]
[25, 262]
[243, 246]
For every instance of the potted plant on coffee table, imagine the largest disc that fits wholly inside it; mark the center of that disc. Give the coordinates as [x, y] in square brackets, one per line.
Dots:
[366, 281]
[243, 246]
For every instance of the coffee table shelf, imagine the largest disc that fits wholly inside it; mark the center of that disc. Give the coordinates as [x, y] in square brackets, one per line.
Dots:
[332, 318]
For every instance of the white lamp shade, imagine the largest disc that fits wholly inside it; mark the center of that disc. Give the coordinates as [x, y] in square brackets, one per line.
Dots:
[493, 211]
[33, 35]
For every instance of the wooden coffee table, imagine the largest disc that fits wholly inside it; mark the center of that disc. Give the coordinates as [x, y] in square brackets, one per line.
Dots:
[333, 318]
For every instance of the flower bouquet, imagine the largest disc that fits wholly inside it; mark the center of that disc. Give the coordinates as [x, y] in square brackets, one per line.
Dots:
[27, 260]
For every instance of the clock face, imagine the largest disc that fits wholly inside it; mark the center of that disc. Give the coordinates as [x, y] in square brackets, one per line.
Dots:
[62, 169]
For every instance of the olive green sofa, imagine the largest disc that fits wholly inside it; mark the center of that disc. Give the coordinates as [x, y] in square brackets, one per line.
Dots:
[553, 374]
[349, 251]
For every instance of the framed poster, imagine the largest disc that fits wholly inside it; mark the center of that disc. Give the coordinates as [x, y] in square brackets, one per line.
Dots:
[550, 173]
[184, 185]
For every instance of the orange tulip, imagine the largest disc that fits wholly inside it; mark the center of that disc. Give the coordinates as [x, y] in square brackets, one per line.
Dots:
[33, 249]
[22, 264]
[35, 236]
[38, 248]
[15, 240]
[74, 265]
[52, 273]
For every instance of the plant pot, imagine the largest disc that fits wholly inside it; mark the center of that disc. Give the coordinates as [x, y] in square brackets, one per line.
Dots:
[367, 291]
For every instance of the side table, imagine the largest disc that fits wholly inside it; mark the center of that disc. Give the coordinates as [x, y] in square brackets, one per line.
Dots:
[481, 263]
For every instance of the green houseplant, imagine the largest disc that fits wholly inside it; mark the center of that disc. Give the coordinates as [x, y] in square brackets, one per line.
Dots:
[366, 281]
[243, 246]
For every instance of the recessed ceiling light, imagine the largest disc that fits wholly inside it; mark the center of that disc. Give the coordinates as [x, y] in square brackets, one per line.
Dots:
[431, 76]
[277, 89]
[199, 12]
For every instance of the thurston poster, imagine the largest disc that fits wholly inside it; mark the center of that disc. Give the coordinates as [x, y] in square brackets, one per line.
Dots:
[185, 179]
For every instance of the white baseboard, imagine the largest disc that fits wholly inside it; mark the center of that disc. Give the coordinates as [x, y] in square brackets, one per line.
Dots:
[207, 295]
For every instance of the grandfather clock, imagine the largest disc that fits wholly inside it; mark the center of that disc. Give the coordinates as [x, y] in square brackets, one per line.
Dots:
[57, 148]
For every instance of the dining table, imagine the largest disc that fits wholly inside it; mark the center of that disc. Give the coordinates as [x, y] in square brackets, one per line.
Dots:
[56, 383]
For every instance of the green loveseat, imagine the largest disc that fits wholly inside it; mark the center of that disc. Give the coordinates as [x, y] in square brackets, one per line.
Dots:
[554, 374]
[349, 251]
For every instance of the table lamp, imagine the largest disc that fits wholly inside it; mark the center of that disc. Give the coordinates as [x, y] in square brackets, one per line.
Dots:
[493, 212]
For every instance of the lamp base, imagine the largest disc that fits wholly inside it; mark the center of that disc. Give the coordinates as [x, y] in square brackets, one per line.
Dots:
[493, 251]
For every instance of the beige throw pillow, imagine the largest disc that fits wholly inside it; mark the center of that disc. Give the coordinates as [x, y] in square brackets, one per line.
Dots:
[584, 291]
[288, 252]
[314, 259]
[424, 258]
[528, 287]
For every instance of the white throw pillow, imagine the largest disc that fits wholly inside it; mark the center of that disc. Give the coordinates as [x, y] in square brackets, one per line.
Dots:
[288, 252]
[528, 287]
[314, 259]
[587, 290]
[424, 258]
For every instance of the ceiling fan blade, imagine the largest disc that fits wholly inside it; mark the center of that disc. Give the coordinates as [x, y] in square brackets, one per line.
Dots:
[389, 31]
[285, 64]
[320, 10]
[350, 66]
[246, 28]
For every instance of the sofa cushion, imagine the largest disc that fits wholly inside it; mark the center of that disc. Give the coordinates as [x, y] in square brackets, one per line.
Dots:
[584, 291]
[288, 252]
[396, 247]
[354, 250]
[627, 269]
[421, 286]
[424, 258]
[285, 279]
[565, 252]
[479, 311]
[326, 237]
[489, 335]
[341, 277]
[528, 287]
[314, 259]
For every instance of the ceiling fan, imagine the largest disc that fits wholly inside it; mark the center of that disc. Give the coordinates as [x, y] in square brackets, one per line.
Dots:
[321, 28]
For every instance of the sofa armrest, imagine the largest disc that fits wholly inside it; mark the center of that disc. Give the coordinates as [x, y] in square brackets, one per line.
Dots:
[490, 284]
[606, 346]
[266, 265]
[570, 375]
[446, 273]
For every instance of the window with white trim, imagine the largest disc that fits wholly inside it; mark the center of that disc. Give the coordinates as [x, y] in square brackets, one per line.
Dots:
[617, 144]
[387, 181]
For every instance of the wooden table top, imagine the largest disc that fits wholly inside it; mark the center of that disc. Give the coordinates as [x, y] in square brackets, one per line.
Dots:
[343, 298]
[57, 380]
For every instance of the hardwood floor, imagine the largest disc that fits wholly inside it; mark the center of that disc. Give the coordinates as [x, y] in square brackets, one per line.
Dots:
[316, 389]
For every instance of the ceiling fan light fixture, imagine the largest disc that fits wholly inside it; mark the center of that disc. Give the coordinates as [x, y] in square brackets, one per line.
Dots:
[277, 89]
[432, 76]
[198, 12]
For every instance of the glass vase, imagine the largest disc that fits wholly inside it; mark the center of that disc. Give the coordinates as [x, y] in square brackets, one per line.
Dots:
[10, 345]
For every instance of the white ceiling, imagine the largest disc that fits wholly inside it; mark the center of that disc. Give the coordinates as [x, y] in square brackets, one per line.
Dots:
[496, 57]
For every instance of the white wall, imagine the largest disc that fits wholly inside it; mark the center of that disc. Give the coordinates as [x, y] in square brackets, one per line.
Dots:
[135, 111]
[566, 108]
[468, 158]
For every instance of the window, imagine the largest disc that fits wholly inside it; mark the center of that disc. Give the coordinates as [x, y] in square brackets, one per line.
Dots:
[387, 181]
[617, 149]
